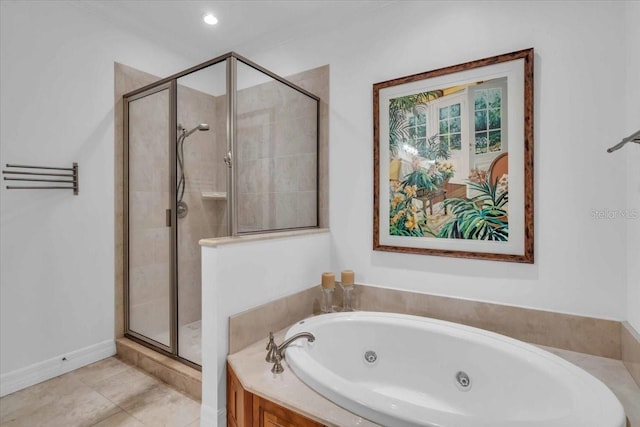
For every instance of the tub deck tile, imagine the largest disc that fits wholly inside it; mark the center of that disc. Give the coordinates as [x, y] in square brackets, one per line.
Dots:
[288, 391]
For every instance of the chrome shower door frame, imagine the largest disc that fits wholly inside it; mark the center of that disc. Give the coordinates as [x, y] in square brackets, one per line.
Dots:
[171, 83]
[171, 218]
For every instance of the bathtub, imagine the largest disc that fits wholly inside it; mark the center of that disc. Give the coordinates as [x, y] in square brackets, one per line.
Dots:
[399, 370]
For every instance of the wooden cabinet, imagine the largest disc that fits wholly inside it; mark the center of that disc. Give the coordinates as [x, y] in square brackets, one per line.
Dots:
[269, 414]
[245, 409]
[239, 402]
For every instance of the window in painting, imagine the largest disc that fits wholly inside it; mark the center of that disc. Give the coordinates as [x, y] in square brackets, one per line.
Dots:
[488, 120]
[418, 131]
[449, 126]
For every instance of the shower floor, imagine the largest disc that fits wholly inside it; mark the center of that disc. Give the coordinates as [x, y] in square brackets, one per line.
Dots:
[189, 339]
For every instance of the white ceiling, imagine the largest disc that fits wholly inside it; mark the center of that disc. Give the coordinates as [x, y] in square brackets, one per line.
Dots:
[243, 24]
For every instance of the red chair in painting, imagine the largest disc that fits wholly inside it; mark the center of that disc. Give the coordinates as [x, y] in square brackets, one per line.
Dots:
[498, 168]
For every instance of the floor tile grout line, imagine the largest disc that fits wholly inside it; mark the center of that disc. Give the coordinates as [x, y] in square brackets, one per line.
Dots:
[39, 407]
[159, 383]
[117, 405]
[87, 381]
[134, 417]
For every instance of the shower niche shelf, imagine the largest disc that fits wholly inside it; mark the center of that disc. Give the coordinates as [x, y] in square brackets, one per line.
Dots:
[214, 195]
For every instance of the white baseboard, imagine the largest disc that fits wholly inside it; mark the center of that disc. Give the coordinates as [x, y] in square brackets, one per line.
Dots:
[222, 417]
[209, 417]
[47, 369]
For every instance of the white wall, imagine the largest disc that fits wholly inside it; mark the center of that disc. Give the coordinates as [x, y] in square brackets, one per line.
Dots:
[56, 286]
[241, 276]
[632, 154]
[579, 85]
[57, 250]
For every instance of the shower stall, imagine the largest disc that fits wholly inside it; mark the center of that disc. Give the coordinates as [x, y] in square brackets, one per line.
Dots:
[222, 149]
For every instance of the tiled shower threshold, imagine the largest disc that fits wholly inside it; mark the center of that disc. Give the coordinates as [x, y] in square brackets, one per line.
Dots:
[182, 377]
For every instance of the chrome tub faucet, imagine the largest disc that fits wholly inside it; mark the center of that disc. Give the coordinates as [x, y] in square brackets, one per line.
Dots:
[275, 353]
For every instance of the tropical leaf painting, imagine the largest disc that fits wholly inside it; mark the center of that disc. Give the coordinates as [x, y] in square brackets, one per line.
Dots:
[447, 143]
[482, 217]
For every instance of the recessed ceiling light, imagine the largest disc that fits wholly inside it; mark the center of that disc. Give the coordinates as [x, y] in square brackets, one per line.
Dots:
[210, 19]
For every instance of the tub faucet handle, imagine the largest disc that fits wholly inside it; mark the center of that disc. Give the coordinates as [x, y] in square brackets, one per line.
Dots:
[271, 342]
[272, 349]
[277, 366]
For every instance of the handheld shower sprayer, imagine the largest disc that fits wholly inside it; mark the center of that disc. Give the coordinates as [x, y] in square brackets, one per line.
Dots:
[182, 207]
[201, 127]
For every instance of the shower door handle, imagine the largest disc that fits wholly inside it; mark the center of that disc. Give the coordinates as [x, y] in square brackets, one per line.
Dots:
[168, 217]
[227, 159]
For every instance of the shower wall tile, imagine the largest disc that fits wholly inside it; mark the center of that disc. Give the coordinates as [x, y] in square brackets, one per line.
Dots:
[201, 159]
[255, 211]
[151, 277]
[307, 181]
[216, 210]
[258, 177]
[276, 123]
[296, 209]
[286, 179]
[148, 147]
[317, 82]
[126, 79]
[149, 246]
[149, 237]
[251, 137]
[267, 141]
[151, 319]
[147, 209]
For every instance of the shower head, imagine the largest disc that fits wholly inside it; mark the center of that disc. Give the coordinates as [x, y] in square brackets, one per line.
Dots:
[201, 126]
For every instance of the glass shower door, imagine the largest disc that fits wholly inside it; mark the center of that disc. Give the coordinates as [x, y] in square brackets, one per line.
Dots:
[276, 154]
[201, 196]
[149, 274]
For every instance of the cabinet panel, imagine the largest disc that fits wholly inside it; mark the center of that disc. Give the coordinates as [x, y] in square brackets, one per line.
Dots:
[239, 402]
[245, 409]
[269, 414]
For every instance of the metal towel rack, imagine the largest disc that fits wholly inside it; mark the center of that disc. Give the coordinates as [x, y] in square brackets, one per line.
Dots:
[634, 137]
[58, 178]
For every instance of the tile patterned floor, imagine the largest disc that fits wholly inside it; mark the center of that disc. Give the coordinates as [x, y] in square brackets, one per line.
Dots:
[110, 393]
[107, 393]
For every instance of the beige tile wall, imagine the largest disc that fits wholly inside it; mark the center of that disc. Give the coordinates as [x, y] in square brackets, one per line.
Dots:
[589, 335]
[276, 158]
[631, 350]
[594, 336]
[207, 218]
[126, 79]
[252, 325]
[203, 161]
[149, 237]
[317, 82]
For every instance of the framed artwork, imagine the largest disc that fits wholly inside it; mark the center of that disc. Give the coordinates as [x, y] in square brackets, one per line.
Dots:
[453, 160]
